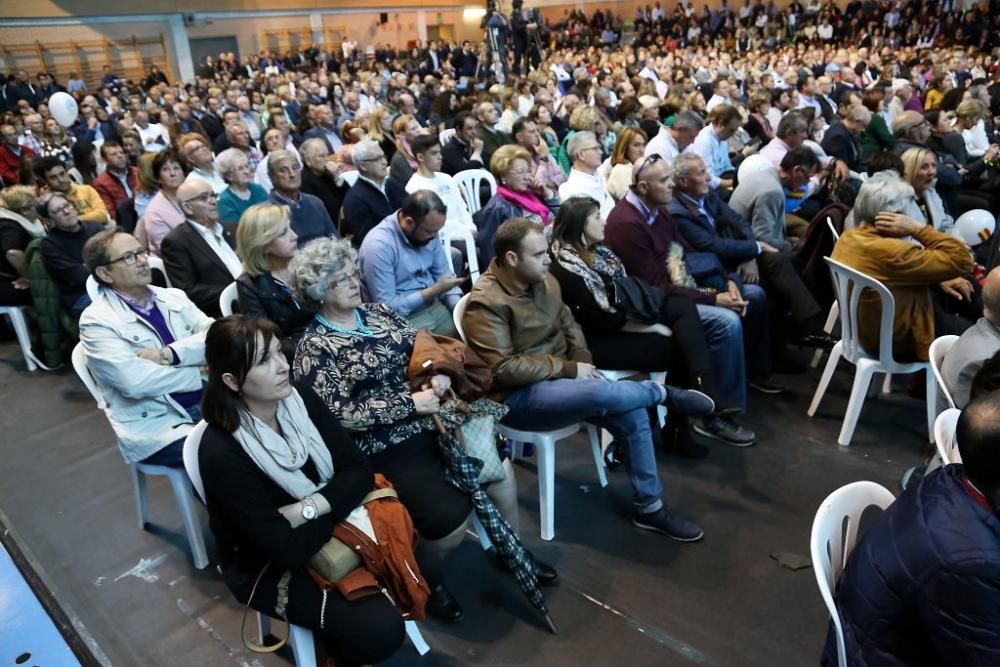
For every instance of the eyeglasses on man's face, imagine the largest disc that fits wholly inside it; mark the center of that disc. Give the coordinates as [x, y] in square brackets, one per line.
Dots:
[203, 197]
[129, 258]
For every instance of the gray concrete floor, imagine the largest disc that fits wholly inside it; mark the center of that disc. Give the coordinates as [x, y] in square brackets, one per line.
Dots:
[626, 597]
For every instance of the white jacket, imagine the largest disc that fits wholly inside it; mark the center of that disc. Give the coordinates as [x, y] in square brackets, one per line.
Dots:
[143, 415]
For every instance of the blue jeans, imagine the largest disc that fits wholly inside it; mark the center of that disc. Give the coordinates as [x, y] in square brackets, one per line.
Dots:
[724, 333]
[620, 407]
[172, 455]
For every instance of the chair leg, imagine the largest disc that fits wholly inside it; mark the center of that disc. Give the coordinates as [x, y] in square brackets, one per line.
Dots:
[517, 451]
[139, 487]
[303, 646]
[546, 487]
[595, 446]
[932, 401]
[824, 381]
[484, 539]
[831, 321]
[192, 523]
[417, 639]
[862, 378]
[263, 627]
[23, 337]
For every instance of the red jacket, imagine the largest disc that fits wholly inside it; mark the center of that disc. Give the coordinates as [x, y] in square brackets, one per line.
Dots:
[9, 163]
[643, 247]
[111, 190]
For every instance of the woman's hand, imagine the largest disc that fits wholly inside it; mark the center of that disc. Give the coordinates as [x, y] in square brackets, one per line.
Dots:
[440, 384]
[959, 288]
[426, 402]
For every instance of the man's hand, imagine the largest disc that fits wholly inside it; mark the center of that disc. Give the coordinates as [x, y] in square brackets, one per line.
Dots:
[477, 145]
[585, 371]
[732, 299]
[443, 284]
[21, 283]
[750, 272]
[896, 225]
[541, 149]
[840, 170]
[149, 354]
[959, 288]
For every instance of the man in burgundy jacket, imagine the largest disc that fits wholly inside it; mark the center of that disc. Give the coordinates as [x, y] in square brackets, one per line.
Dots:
[11, 154]
[642, 233]
[118, 181]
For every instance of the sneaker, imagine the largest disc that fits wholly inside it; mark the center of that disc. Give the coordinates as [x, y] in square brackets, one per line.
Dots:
[669, 524]
[688, 402]
[726, 430]
[767, 387]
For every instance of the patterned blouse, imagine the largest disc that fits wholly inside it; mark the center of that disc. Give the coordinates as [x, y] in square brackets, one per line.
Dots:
[363, 378]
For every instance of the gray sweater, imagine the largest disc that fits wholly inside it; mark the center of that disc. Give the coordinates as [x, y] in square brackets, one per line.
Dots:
[760, 198]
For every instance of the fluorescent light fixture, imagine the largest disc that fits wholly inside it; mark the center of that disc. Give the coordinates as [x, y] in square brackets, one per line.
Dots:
[473, 13]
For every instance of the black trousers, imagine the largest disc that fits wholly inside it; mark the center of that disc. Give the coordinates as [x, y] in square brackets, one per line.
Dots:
[787, 295]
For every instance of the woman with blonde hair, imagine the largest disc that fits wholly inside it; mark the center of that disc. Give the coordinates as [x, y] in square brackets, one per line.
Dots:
[380, 130]
[920, 171]
[516, 197]
[147, 184]
[404, 164]
[617, 170]
[19, 226]
[266, 243]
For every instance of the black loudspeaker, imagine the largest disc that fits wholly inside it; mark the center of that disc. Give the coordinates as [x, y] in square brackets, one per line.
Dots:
[383, 17]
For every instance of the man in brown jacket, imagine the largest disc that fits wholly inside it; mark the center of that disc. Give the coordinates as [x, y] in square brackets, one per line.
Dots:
[909, 258]
[517, 321]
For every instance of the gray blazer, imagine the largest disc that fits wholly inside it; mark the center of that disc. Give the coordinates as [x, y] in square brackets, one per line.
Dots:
[967, 356]
[760, 198]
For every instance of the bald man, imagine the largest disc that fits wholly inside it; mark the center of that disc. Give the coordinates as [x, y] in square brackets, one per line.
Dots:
[976, 345]
[199, 254]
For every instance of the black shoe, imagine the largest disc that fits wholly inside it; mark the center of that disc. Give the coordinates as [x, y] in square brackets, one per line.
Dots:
[613, 455]
[726, 430]
[767, 387]
[688, 402]
[669, 524]
[677, 441]
[822, 341]
[443, 606]
[546, 574]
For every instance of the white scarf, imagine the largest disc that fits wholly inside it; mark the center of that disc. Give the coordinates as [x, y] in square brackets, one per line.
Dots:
[34, 228]
[281, 457]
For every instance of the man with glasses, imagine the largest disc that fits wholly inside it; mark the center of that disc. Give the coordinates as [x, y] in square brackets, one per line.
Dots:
[145, 346]
[199, 254]
[199, 157]
[374, 196]
[584, 180]
[62, 249]
[310, 219]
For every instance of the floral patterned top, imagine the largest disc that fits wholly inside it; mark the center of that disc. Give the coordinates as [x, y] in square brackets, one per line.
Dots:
[363, 378]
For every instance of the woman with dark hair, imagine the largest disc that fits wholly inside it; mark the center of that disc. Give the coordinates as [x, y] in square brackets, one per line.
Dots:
[163, 213]
[586, 270]
[877, 135]
[442, 110]
[276, 483]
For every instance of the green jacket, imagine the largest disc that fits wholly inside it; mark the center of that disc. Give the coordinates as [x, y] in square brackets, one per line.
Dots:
[53, 322]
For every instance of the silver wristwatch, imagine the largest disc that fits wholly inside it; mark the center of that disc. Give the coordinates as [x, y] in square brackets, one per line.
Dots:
[309, 509]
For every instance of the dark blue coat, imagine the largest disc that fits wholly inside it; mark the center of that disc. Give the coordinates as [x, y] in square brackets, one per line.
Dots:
[729, 236]
[922, 587]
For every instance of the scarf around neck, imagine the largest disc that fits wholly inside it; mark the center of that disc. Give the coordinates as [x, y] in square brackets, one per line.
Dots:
[35, 229]
[281, 457]
[527, 201]
[604, 265]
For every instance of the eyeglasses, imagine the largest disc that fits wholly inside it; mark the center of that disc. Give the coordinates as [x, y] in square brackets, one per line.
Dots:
[345, 279]
[63, 210]
[380, 158]
[652, 159]
[129, 258]
[595, 147]
[204, 197]
[519, 172]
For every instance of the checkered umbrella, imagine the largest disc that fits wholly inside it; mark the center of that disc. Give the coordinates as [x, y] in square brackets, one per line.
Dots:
[463, 473]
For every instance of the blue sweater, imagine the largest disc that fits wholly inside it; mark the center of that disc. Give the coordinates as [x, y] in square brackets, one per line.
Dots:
[310, 219]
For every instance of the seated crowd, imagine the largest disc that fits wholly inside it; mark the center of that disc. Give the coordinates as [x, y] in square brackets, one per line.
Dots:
[656, 206]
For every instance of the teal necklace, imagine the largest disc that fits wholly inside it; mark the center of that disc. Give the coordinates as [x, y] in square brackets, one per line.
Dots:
[359, 326]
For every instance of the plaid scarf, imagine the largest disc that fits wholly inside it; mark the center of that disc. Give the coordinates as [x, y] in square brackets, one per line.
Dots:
[597, 271]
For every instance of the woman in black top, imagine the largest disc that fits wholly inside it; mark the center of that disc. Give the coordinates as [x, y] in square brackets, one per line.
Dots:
[19, 225]
[266, 243]
[276, 483]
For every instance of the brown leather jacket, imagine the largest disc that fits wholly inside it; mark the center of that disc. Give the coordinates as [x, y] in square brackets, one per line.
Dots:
[524, 336]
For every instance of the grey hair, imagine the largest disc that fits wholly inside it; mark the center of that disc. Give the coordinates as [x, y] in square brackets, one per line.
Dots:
[884, 192]
[307, 146]
[790, 122]
[275, 157]
[688, 120]
[364, 150]
[682, 163]
[574, 144]
[226, 161]
[860, 113]
[314, 264]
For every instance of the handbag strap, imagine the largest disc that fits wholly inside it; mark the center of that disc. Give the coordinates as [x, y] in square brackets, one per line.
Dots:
[378, 494]
[280, 609]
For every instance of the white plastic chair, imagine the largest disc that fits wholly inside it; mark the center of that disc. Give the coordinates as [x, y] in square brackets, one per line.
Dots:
[350, 177]
[468, 182]
[156, 264]
[849, 285]
[178, 479]
[453, 231]
[300, 639]
[939, 349]
[544, 442]
[229, 300]
[446, 136]
[944, 436]
[831, 319]
[20, 324]
[830, 543]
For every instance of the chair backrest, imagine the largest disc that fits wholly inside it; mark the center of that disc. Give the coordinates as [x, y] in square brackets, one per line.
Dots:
[190, 453]
[457, 315]
[468, 186]
[849, 284]
[229, 300]
[833, 228]
[156, 264]
[453, 231]
[939, 349]
[831, 542]
[83, 372]
[944, 435]
[446, 135]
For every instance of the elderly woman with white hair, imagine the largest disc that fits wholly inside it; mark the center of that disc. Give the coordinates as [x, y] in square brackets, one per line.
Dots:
[241, 192]
[352, 364]
[907, 256]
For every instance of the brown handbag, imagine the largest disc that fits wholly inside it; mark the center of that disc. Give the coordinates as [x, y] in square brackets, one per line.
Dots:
[471, 377]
